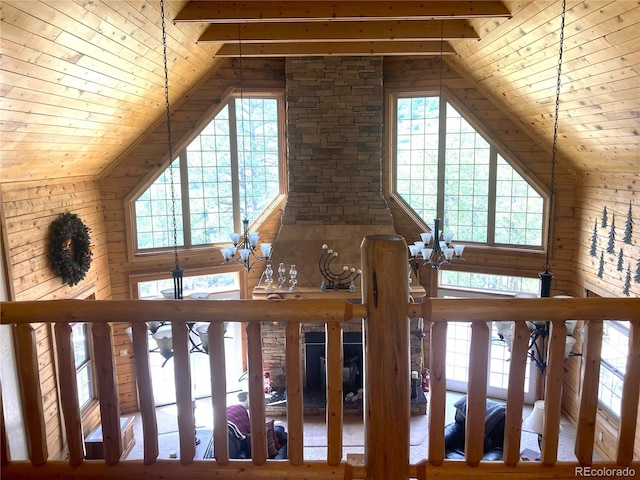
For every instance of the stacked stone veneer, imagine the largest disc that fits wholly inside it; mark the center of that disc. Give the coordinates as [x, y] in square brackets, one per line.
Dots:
[334, 135]
[334, 130]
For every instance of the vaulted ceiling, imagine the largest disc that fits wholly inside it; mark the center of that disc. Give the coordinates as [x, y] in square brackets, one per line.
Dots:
[82, 80]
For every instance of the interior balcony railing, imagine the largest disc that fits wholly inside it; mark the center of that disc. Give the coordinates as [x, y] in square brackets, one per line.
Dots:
[386, 310]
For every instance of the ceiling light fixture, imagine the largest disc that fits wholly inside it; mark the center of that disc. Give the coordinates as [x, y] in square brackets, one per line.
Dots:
[177, 272]
[546, 276]
[243, 248]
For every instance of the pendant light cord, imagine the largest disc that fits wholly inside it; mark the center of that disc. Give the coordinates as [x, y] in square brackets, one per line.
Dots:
[168, 112]
[244, 152]
[555, 139]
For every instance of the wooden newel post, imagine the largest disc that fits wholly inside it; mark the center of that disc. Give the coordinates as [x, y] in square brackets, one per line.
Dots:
[385, 292]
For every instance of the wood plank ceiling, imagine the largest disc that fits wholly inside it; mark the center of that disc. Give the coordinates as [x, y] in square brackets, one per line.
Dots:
[83, 80]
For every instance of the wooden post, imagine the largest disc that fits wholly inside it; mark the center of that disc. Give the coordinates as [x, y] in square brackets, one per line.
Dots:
[554, 375]
[295, 404]
[586, 428]
[27, 361]
[385, 291]
[182, 377]
[145, 391]
[515, 393]
[69, 393]
[217, 372]
[477, 393]
[107, 391]
[630, 394]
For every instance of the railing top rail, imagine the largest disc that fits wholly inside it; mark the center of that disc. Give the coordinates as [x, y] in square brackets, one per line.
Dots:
[510, 309]
[50, 311]
[315, 310]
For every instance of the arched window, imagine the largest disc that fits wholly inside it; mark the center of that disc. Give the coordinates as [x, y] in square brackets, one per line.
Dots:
[229, 171]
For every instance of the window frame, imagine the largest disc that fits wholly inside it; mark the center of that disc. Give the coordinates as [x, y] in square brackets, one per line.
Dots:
[135, 253]
[605, 364]
[88, 364]
[496, 148]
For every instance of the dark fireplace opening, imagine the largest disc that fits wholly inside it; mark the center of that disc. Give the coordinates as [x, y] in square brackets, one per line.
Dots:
[315, 362]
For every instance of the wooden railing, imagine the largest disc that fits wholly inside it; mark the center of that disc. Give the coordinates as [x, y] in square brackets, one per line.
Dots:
[386, 310]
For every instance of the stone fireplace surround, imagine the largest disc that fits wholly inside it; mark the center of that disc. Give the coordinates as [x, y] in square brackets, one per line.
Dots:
[334, 114]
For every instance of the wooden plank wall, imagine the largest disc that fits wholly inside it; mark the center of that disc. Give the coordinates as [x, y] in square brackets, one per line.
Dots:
[133, 171]
[617, 192]
[534, 161]
[28, 210]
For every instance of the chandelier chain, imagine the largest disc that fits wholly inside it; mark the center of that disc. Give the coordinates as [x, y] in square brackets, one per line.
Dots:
[555, 137]
[168, 113]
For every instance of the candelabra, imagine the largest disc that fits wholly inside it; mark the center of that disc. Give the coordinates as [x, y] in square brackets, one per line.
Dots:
[343, 280]
[244, 248]
[442, 251]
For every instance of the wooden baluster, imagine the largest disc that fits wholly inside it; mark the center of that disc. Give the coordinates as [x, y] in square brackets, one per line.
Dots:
[145, 391]
[586, 428]
[515, 393]
[295, 404]
[218, 369]
[477, 393]
[184, 400]
[437, 391]
[385, 291]
[31, 394]
[630, 394]
[553, 391]
[69, 393]
[107, 380]
[334, 363]
[256, 394]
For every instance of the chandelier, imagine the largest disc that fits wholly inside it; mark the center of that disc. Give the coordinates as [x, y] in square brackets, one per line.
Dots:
[441, 251]
[244, 248]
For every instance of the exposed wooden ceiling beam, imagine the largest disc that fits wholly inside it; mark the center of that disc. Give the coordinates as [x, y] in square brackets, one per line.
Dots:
[334, 48]
[339, 31]
[296, 11]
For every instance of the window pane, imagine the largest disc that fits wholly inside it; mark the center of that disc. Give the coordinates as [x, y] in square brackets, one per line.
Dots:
[257, 121]
[466, 180]
[615, 346]
[485, 281]
[154, 212]
[80, 340]
[519, 208]
[209, 172]
[417, 154]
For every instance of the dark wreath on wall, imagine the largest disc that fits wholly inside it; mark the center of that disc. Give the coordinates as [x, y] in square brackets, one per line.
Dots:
[70, 248]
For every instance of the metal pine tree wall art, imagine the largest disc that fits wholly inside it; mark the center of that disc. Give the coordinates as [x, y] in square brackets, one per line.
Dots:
[594, 240]
[637, 277]
[601, 267]
[628, 227]
[620, 260]
[604, 218]
[612, 235]
[627, 282]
